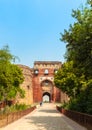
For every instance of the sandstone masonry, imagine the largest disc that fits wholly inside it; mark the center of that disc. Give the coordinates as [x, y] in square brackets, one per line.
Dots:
[39, 82]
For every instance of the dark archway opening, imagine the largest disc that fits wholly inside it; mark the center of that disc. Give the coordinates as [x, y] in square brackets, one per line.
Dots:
[46, 97]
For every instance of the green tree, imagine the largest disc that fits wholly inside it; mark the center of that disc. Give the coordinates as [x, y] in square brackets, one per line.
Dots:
[65, 79]
[75, 77]
[79, 41]
[10, 76]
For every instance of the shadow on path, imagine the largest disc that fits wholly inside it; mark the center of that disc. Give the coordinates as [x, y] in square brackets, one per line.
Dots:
[48, 111]
[49, 123]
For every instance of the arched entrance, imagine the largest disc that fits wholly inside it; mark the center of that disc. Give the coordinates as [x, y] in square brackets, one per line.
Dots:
[47, 90]
[46, 97]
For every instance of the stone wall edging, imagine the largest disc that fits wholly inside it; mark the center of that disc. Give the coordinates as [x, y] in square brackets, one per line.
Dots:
[81, 118]
[9, 118]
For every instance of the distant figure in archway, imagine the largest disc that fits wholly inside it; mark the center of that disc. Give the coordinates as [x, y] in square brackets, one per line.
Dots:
[41, 103]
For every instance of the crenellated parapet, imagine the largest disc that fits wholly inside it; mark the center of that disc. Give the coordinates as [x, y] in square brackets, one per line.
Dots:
[26, 70]
[47, 64]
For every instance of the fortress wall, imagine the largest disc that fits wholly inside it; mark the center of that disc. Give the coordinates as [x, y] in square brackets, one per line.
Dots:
[27, 85]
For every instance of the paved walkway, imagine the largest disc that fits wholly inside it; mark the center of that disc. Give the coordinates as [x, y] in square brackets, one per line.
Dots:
[45, 117]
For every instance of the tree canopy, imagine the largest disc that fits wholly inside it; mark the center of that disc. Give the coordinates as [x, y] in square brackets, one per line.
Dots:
[75, 76]
[10, 76]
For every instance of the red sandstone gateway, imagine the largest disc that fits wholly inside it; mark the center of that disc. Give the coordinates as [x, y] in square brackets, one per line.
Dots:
[43, 81]
[39, 83]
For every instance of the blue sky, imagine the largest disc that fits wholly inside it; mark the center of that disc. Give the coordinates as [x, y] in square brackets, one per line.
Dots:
[32, 28]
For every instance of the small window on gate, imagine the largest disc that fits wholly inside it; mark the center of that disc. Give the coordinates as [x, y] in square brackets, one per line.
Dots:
[46, 71]
[36, 71]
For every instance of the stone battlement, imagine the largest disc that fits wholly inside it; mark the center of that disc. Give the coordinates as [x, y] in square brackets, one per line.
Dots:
[47, 64]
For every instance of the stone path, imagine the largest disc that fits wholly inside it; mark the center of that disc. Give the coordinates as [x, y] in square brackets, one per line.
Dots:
[45, 117]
